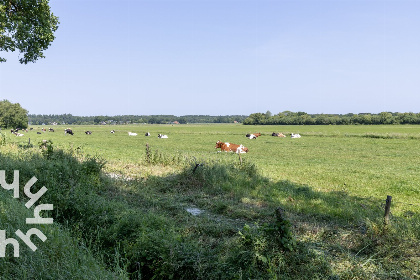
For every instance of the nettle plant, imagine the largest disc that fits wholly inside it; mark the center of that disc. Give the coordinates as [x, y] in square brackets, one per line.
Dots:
[261, 240]
[47, 148]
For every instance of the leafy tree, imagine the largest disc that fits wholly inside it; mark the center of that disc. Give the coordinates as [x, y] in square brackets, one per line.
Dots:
[12, 115]
[27, 26]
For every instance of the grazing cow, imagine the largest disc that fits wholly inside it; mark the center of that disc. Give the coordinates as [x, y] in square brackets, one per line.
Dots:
[229, 147]
[50, 130]
[295, 135]
[88, 132]
[278, 134]
[162, 136]
[112, 131]
[147, 134]
[69, 131]
[132, 134]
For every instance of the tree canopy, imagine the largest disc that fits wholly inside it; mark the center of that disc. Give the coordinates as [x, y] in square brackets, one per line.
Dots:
[27, 26]
[302, 118]
[12, 115]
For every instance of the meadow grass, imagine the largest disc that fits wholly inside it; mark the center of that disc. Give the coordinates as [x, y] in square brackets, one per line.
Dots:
[361, 161]
[332, 183]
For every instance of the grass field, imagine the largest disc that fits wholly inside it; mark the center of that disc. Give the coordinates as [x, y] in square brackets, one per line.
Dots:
[362, 161]
[332, 183]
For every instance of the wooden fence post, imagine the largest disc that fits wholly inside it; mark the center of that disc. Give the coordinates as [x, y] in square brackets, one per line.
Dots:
[387, 209]
[240, 158]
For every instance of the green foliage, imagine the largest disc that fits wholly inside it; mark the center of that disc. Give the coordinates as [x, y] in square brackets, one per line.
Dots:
[2, 139]
[61, 256]
[26, 26]
[300, 118]
[132, 119]
[12, 115]
[47, 148]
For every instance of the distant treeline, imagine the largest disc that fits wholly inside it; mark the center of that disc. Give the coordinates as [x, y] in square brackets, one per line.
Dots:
[299, 118]
[131, 119]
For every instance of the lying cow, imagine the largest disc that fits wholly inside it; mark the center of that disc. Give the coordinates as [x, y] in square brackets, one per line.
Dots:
[88, 132]
[147, 134]
[295, 135]
[278, 134]
[50, 129]
[162, 136]
[253, 135]
[69, 131]
[132, 133]
[230, 147]
[112, 131]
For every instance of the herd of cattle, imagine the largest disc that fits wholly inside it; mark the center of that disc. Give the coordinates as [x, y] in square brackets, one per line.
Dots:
[224, 146]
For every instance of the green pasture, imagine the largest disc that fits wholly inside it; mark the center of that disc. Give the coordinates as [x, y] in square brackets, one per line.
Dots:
[332, 184]
[359, 161]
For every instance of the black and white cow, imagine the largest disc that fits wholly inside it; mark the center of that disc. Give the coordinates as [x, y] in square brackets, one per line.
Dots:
[69, 131]
[88, 132]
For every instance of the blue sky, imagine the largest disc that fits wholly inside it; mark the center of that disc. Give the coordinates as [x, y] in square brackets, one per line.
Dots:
[223, 57]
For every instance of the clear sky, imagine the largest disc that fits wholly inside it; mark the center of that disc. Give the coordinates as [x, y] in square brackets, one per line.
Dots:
[223, 57]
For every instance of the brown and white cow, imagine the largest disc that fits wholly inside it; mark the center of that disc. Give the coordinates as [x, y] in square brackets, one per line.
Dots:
[230, 147]
[278, 134]
[253, 135]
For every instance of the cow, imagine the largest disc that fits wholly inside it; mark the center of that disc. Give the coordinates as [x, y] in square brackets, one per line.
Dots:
[38, 132]
[112, 131]
[253, 135]
[88, 132]
[50, 130]
[132, 133]
[278, 134]
[295, 135]
[230, 147]
[147, 134]
[162, 136]
[69, 131]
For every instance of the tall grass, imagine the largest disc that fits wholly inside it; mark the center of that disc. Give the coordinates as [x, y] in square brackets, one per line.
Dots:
[61, 256]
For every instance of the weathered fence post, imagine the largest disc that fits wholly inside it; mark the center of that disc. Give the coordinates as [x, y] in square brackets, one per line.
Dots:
[240, 158]
[387, 209]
